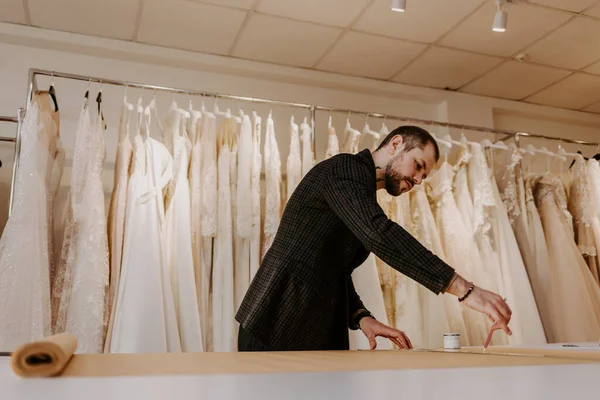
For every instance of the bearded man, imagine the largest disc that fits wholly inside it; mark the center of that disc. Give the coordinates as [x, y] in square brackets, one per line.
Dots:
[303, 297]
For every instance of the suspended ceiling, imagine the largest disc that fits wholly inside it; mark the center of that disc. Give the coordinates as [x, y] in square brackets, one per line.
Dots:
[445, 44]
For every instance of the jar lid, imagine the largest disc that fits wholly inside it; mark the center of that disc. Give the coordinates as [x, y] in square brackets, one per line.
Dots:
[451, 334]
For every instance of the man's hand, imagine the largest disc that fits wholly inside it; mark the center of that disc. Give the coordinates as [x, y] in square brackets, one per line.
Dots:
[373, 328]
[485, 302]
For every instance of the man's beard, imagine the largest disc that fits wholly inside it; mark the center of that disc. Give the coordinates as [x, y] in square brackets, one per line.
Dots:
[393, 180]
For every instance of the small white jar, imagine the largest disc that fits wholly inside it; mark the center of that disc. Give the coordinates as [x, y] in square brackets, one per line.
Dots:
[452, 341]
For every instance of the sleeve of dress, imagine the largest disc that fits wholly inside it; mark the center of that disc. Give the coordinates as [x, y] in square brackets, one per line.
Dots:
[355, 304]
[350, 195]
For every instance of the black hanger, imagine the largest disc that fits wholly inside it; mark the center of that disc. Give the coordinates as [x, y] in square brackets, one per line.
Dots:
[99, 100]
[52, 93]
[573, 162]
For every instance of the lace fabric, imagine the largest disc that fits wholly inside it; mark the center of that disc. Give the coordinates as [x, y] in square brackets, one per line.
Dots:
[481, 191]
[25, 313]
[333, 145]
[83, 272]
[273, 182]
[308, 158]
[294, 161]
[578, 204]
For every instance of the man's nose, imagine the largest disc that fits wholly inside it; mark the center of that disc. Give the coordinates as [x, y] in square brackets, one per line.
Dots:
[418, 179]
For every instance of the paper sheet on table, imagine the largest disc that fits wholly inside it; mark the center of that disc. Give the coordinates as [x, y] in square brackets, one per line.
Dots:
[45, 357]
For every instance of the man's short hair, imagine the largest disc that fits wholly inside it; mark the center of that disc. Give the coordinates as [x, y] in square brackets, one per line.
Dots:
[414, 137]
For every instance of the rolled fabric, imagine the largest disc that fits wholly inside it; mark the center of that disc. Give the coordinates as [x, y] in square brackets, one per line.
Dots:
[44, 358]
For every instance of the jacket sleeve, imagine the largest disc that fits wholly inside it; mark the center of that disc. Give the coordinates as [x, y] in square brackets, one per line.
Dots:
[355, 304]
[350, 192]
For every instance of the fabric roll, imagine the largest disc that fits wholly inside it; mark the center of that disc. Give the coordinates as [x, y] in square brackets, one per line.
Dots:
[44, 358]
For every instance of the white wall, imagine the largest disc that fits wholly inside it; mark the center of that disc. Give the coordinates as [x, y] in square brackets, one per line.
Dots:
[22, 48]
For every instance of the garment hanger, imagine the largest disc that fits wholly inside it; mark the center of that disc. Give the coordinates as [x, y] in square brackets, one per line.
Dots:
[52, 93]
[368, 130]
[498, 145]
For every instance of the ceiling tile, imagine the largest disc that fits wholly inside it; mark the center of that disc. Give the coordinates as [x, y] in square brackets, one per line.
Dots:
[446, 68]
[370, 56]
[569, 5]
[329, 12]
[12, 11]
[282, 41]
[595, 108]
[423, 21]
[576, 92]
[191, 26]
[515, 80]
[594, 11]
[526, 24]
[109, 18]
[244, 4]
[573, 45]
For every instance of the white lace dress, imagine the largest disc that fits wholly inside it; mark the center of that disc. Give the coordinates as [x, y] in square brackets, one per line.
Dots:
[308, 157]
[526, 324]
[581, 206]
[460, 250]
[179, 240]
[208, 213]
[255, 248]
[333, 144]
[223, 307]
[575, 296]
[145, 318]
[273, 186]
[81, 286]
[25, 313]
[294, 161]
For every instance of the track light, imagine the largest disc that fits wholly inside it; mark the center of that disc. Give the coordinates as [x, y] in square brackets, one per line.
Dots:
[500, 19]
[399, 5]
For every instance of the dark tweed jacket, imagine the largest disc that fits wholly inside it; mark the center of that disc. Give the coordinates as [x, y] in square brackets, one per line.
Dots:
[302, 297]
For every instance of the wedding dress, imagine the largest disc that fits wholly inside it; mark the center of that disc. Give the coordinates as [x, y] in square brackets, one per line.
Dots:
[255, 248]
[242, 176]
[308, 158]
[459, 249]
[526, 324]
[333, 145]
[273, 189]
[82, 276]
[580, 207]
[387, 275]
[179, 237]
[25, 313]
[294, 161]
[208, 213]
[575, 296]
[223, 307]
[593, 181]
[116, 214]
[145, 317]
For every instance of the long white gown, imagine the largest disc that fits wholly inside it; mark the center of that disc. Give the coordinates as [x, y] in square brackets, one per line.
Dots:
[294, 161]
[179, 240]
[526, 324]
[255, 247]
[273, 186]
[25, 313]
[460, 251]
[308, 157]
[223, 307]
[593, 182]
[116, 216]
[145, 316]
[575, 300]
[242, 178]
[82, 276]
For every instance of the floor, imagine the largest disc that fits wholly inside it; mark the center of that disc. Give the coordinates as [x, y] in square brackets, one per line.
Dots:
[546, 382]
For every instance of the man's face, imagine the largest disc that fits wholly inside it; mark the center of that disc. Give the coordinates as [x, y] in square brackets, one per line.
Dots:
[408, 168]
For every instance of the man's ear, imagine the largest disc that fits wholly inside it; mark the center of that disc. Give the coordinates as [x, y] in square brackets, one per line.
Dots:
[396, 144]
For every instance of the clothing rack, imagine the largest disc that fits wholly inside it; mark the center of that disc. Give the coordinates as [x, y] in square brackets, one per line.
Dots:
[18, 120]
[508, 133]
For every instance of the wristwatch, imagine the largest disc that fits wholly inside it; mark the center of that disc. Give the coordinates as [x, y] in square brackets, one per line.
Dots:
[360, 314]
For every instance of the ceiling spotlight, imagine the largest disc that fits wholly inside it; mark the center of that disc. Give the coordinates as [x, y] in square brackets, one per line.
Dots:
[500, 19]
[399, 5]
